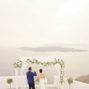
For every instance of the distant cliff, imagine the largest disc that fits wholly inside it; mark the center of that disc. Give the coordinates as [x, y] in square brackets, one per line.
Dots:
[84, 79]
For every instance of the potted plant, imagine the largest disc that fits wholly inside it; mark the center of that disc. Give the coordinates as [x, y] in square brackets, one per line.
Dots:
[70, 81]
[37, 80]
[9, 81]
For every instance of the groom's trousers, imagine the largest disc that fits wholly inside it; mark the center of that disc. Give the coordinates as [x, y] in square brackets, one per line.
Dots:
[31, 86]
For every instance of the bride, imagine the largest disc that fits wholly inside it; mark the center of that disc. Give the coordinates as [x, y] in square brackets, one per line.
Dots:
[41, 78]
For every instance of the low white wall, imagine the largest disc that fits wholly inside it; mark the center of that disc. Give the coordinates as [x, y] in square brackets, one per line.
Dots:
[4, 85]
[21, 81]
[80, 85]
[76, 85]
[3, 82]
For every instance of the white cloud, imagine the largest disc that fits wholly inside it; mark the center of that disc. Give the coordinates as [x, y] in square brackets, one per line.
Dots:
[70, 7]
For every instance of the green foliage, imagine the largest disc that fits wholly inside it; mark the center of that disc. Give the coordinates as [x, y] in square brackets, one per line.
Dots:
[9, 81]
[37, 80]
[70, 81]
[62, 65]
[18, 64]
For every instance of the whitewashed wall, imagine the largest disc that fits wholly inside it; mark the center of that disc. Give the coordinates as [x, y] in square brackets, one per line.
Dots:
[21, 80]
[4, 85]
[76, 85]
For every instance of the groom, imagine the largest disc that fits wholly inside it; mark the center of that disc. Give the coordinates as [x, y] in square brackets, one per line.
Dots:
[30, 78]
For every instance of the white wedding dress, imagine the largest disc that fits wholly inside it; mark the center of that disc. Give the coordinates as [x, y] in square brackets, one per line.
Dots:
[42, 83]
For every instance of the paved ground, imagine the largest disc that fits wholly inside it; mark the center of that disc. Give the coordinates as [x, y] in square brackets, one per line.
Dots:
[46, 88]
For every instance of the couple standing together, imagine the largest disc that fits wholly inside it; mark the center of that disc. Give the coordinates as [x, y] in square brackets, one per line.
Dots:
[30, 78]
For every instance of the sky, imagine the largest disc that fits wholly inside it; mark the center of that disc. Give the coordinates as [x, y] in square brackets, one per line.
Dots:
[40, 22]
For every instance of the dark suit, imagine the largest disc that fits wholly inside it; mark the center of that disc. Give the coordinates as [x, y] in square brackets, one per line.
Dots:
[30, 78]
